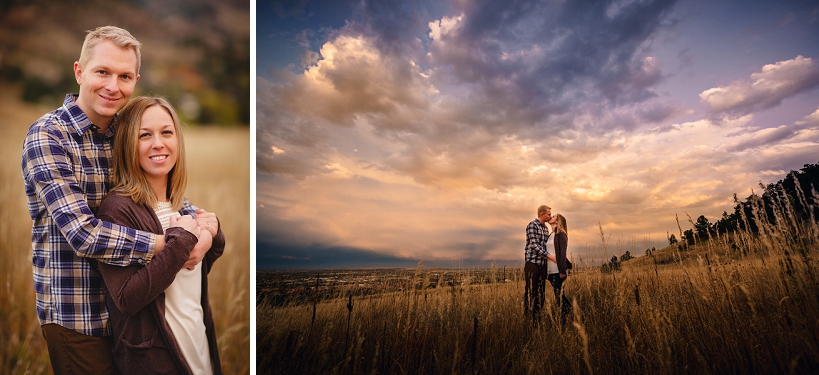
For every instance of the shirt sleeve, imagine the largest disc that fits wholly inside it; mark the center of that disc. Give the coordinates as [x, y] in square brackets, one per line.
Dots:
[188, 208]
[534, 240]
[50, 176]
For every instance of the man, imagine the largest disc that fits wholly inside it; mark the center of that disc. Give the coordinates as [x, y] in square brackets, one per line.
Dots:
[534, 269]
[66, 156]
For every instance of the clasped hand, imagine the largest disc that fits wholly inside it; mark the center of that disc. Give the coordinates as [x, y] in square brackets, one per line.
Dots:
[205, 227]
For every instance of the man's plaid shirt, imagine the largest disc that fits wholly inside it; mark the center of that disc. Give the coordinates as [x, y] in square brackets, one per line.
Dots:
[65, 167]
[536, 236]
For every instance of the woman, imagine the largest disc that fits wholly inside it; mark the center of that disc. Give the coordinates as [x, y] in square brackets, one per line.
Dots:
[159, 312]
[557, 267]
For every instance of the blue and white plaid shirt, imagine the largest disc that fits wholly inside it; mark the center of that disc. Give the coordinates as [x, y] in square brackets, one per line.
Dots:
[65, 167]
[536, 236]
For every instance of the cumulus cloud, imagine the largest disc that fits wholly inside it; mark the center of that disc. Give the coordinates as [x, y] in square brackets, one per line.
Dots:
[352, 81]
[353, 78]
[765, 89]
[800, 137]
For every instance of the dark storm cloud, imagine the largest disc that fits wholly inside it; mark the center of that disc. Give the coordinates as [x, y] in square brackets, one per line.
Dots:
[279, 255]
[541, 57]
[275, 255]
[397, 26]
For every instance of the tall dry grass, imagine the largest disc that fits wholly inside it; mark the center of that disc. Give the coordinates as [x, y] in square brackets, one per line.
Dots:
[219, 181]
[750, 306]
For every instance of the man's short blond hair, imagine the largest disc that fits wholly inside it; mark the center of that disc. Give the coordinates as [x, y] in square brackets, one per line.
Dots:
[118, 36]
[543, 209]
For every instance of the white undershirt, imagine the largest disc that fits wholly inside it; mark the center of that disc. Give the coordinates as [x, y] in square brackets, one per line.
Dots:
[183, 308]
[550, 245]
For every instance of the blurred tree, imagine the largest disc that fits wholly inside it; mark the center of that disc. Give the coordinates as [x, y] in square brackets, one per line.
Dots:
[689, 236]
[703, 228]
[614, 264]
[728, 223]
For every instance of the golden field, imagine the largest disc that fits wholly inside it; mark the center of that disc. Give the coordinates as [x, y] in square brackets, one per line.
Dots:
[219, 181]
[741, 304]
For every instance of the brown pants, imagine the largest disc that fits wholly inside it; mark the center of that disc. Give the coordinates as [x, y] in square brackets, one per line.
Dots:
[72, 352]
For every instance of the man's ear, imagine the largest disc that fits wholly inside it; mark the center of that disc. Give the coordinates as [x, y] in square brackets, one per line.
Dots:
[78, 72]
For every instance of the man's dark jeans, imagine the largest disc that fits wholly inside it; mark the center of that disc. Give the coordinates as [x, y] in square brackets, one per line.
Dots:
[535, 289]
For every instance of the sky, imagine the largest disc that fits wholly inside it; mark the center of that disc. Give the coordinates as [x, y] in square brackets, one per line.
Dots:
[393, 132]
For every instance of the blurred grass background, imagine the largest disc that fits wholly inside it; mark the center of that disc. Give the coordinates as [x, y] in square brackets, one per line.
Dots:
[196, 54]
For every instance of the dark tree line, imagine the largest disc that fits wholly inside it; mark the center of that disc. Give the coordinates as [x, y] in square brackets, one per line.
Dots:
[795, 196]
[614, 264]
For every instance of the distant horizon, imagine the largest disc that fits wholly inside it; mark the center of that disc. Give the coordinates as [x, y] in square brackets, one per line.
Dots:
[337, 264]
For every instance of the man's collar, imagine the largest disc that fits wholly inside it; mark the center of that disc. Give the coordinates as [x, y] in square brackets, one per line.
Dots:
[79, 120]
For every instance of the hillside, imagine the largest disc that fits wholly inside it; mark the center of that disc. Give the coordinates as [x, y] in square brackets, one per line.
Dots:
[672, 256]
[785, 212]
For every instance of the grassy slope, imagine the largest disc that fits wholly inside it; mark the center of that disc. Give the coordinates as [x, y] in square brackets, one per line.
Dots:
[728, 314]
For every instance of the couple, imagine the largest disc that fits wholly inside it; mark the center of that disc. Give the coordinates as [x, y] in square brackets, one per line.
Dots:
[117, 249]
[545, 259]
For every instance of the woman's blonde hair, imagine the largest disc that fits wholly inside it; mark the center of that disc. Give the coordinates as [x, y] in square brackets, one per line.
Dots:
[127, 176]
[561, 224]
[116, 35]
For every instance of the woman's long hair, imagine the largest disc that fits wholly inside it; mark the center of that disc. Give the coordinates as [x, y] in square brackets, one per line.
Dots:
[126, 174]
[561, 224]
